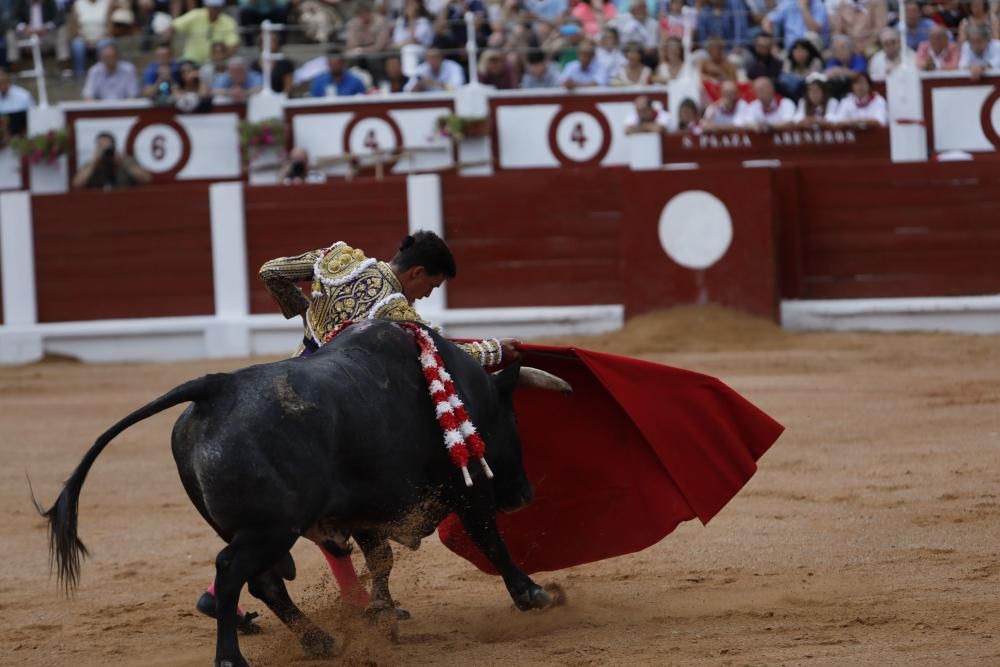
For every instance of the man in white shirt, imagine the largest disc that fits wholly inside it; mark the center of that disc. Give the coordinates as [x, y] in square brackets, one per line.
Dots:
[769, 110]
[436, 74]
[863, 107]
[585, 71]
[638, 26]
[727, 110]
[890, 57]
[979, 53]
[647, 117]
[13, 99]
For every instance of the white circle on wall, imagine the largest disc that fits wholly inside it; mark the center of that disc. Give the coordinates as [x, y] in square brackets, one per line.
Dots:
[695, 229]
[579, 136]
[370, 135]
[158, 148]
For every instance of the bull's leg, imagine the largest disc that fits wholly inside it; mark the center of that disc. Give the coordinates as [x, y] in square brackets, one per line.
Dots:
[249, 554]
[481, 526]
[269, 588]
[378, 557]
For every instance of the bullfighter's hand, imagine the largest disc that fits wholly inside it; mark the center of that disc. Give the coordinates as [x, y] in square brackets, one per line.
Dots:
[510, 349]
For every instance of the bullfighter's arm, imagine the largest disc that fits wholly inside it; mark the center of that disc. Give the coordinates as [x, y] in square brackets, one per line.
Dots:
[398, 309]
[280, 276]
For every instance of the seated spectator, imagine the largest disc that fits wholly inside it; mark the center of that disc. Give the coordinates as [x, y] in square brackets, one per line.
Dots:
[413, 26]
[672, 20]
[213, 68]
[863, 107]
[367, 32]
[593, 15]
[436, 74]
[762, 61]
[883, 62]
[688, 118]
[238, 82]
[938, 53]
[980, 53]
[205, 27]
[539, 71]
[727, 110]
[393, 80]
[91, 17]
[14, 104]
[545, 11]
[295, 170]
[816, 106]
[109, 170]
[842, 65]
[768, 111]
[717, 66]
[190, 95]
[608, 53]
[155, 16]
[255, 12]
[950, 14]
[804, 59]
[638, 26]
[918, 26]
[494, 70]
[726, 19]
[585, 71]
[634, 73]
[672, 65]
[282, 69]
[647, 116]
[160, 76]
[797, 19]
[450, 31]
[44, 18]
[565, 42]
[977, 13]
[110, 78]
[861, 20]
[320, 19]
[337, 80]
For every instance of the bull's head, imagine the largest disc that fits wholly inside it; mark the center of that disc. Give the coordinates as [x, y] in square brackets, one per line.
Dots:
[511, 485]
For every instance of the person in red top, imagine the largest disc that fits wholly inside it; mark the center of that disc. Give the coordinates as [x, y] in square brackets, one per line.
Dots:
[938, 52]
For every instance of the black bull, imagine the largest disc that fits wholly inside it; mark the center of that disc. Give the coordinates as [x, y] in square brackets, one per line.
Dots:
[343, 443]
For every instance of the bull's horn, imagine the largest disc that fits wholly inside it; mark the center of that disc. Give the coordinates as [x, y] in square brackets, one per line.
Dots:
[533, 377]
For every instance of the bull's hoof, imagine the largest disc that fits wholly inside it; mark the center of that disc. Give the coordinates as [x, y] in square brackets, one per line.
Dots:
[535, 597]
[318, 644]
[385, 618]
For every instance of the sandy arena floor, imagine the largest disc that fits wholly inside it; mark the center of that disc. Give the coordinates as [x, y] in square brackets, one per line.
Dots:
[870, 534]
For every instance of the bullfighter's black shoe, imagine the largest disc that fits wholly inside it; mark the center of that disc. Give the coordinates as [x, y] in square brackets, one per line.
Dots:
[247, 625]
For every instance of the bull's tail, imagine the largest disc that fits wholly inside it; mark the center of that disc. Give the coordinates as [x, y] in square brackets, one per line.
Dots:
[66, 551]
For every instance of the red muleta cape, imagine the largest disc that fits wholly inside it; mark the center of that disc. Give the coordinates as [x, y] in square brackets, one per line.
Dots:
[635, 450]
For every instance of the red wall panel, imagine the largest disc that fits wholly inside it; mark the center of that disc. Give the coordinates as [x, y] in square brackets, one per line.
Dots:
[134, 253]
[535, 239]
[289, 220]
[896, 230]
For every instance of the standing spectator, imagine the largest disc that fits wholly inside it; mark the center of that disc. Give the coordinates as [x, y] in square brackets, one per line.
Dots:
[863, 107]
[883, 62]
[638, 26]
[585, 71]
[842, 65]
[797, 20]
[593, 15]
[203, 28]
[255, 12]
[110, 78]
[367, 32]
[672, 65]
[14, 104]
[938, 53]
[91, 31]
[608, 55]
[109, 169]
[861, 20]
[717, 66]
[393, 79]
[726, 19]
[978, 14]
[647, 116]
[762, 61]
[38, 17]
[634, 73]
[413, 26]
[160, 75]
[980, 53]
[803, 59]
[539, 71]
[336, 80]
[436, 74]
[769, 110]
[918, 26]
[238, 82]
[816, 106]
[494, 70]
[672, 19]
[726, 111]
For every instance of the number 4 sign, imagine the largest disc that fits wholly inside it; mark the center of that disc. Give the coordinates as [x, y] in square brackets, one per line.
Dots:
[579, 137]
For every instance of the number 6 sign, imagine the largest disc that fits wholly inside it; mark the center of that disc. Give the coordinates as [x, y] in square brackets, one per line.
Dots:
[159, 148]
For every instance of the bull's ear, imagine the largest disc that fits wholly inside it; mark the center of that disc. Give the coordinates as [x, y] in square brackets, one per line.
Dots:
[506, 380]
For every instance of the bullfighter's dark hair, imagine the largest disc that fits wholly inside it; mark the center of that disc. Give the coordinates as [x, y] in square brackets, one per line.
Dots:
[428, 250]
